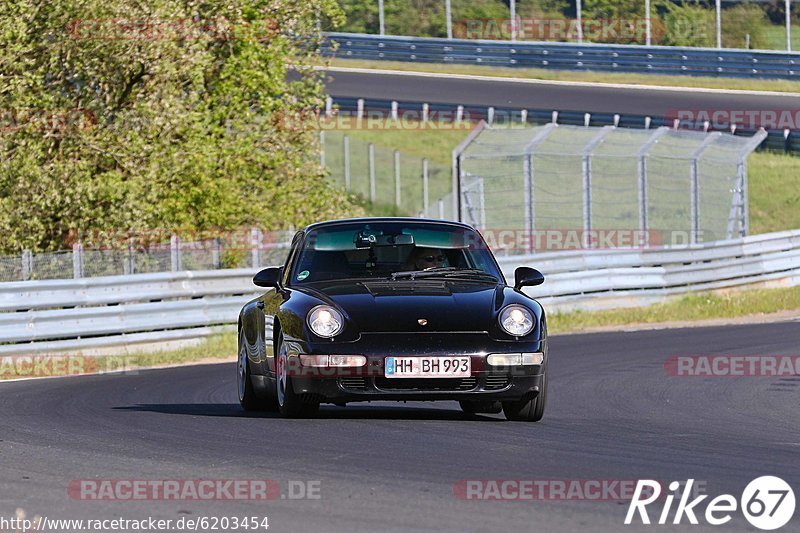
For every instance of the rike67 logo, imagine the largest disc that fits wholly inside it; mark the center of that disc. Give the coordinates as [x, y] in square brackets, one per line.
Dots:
[767, 503]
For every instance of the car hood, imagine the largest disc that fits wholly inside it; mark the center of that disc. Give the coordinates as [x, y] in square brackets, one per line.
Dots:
[415, 306]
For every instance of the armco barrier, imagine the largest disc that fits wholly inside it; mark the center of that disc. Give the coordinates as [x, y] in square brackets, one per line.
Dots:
[598, 279]
[87, 314]
[779, 140]
[569, 56]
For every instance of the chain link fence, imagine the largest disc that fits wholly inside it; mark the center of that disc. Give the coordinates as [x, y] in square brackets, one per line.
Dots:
[392, 181]
[551, 180]
[121, 253]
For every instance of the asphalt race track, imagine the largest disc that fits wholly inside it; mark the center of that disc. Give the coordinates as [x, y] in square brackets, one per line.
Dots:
[543, 95]
[614, 413]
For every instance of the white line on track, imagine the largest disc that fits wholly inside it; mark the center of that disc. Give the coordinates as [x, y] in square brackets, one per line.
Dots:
[505, 79]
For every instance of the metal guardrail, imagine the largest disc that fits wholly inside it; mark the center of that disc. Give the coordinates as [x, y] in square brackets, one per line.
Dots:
[778, 140]
[570, 56]
[598, 279]
[85, 314]
[94, 313]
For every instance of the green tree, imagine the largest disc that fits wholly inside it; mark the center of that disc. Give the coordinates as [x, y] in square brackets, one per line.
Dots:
[160, 114]
[688, 25]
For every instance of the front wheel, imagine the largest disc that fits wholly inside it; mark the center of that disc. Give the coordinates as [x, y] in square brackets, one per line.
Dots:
[528, 410]
[290, 404]
[248, 397]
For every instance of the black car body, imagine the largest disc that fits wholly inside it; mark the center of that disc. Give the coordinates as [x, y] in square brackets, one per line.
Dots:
[356, 314]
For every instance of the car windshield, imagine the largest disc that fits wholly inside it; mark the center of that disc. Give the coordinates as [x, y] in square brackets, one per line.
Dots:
[393, 251]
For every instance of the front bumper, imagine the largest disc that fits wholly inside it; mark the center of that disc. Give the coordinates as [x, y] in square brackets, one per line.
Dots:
[486, 383]
[479, 386]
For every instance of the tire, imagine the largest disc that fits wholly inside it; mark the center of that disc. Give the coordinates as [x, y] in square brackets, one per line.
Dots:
[248, 397]
[528, 410]
[290, 404]
[472, 407]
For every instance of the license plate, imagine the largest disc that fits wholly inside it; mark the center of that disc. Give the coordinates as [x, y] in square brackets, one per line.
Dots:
[427, 367]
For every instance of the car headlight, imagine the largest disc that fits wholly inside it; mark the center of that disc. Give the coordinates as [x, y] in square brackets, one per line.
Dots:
[325, 321]
[516, 320]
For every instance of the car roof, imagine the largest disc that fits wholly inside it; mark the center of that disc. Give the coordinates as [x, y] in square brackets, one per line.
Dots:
[368, 220]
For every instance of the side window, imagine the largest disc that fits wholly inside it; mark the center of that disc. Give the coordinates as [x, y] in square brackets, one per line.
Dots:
[287, 268]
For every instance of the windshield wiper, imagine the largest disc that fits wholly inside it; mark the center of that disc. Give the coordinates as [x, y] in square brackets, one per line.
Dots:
[472, 273]
[413, 274]
[445, 272]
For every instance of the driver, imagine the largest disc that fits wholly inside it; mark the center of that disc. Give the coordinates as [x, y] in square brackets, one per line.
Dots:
[425, 258]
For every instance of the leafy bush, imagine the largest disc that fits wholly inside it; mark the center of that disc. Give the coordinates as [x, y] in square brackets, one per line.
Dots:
[688, 25]
[159, 114]
[742, 20]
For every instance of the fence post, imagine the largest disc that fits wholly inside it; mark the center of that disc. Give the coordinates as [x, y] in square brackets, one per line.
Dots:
[397, 178]
[77, 260]
[322, 148]
[175, 253]
[255, 247]
[27, 265]
[372, 193]
[694, 209]
[743, 196]
[527, 175]
[529, 184]
[641, 169]
[216, 246]
[457, 170]
[695, 185]
[448, 13]
[425, 187]
[130, 260]
[587, 183]
[394, 109]
[513, 8]
[579, 16]
[381, 19]
[347, 163]
[441, 209]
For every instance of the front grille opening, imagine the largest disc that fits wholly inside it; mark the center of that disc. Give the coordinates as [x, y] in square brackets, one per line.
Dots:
[353, 383]
[426, 384]
[496, 382]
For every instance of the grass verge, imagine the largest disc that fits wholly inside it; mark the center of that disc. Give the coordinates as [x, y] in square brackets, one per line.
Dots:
[580, 76]
[685, 309]
[215, 348]
[774, 191]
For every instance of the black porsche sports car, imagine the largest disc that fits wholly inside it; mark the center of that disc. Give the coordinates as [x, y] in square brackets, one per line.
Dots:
[393, 309]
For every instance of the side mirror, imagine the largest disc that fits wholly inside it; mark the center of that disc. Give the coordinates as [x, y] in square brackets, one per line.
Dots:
[527, 277]
[269, 277]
